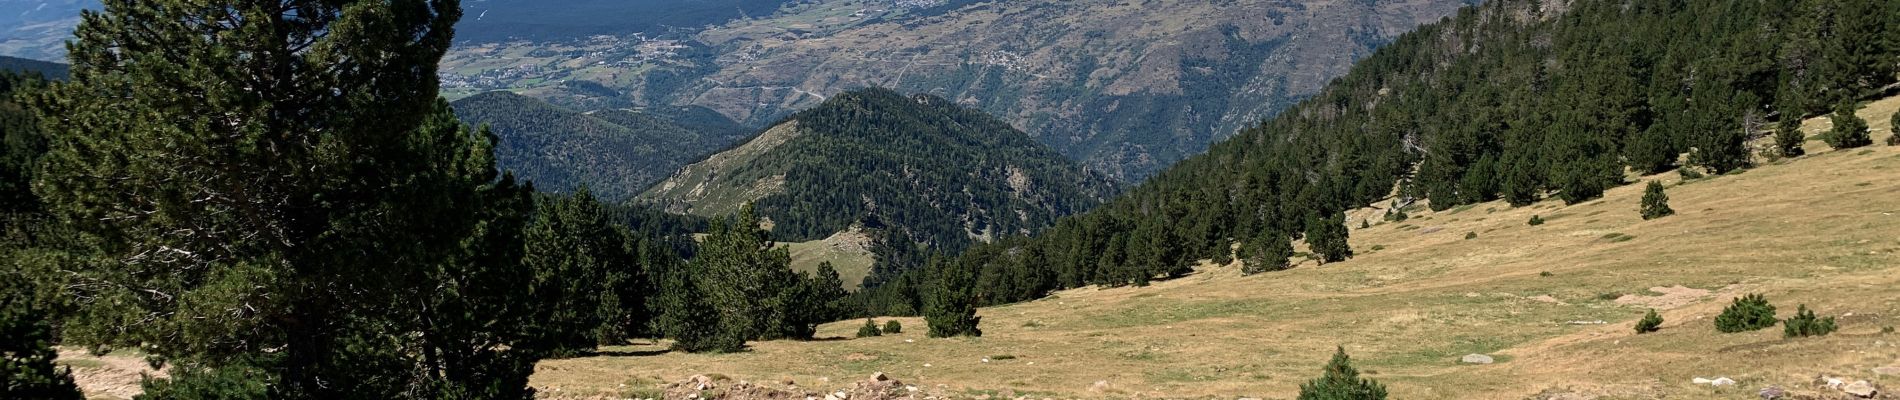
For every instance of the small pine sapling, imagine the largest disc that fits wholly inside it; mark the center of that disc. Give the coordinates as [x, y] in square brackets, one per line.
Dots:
[1805, 324]
[1655, 202]
[1650, 323]
[1748, 313]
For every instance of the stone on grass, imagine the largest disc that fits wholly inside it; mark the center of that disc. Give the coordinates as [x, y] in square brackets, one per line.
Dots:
[1476, 359]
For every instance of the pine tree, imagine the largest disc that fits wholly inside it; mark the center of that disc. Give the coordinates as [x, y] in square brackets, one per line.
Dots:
[1849, 130]
[869, 329]
[1328, 238]
[1789, 140]
[893, 327]
[292, 159]
[1893, 128]
[586, 283]
[950, 305]
[1651, 322]
[1269, 251]
[1748, 313]
[1655, 202]
[26, 347]
[1805, 323]
[743, 275]
[1341, 382]
[685, 316]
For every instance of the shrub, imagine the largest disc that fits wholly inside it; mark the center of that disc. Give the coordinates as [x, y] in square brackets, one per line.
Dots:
[1886, 330]
[892, 327]
[1748, 313]
[1655, 202]
[1788, 140]
[1894, 129]
[1849, 130]
[1690, 174]
[1546, 274]
[1650, 323]
[1805, 324]
[1471, 235]
[1536, 220]
[869, 329]
[1341, 382]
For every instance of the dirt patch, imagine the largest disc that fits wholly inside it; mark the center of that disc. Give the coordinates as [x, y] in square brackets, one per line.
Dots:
[109, 376]
[1669, 297]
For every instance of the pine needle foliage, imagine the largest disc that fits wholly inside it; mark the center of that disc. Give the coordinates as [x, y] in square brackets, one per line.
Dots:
[1650, 323]
[1341, 382]
[1805, 324]
[1748, 313]
[1850, 131]
[1655, 202]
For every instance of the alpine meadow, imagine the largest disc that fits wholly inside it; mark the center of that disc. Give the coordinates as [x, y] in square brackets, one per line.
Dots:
[949, 199]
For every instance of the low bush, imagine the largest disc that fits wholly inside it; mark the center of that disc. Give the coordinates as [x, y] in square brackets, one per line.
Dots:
[1650, 323]
[1805, 324]
[1748, 313]
[869, 329]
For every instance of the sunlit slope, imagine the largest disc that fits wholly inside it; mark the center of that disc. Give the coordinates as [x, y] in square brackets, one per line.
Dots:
[1822, 230]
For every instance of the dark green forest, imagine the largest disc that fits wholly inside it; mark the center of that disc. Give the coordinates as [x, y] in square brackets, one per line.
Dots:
[933, 173]
[617, 153]
[1506, 100]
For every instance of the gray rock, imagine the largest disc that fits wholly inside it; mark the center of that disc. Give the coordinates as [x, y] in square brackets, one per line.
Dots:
[1861, 389]
[1476, 359]
[1772, 393]
[1723, 381]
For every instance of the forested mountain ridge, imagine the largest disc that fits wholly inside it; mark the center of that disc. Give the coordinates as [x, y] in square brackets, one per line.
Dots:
[1128, 88]
[21, 65]
[1513, 100]
[943, 173]
[617, 153]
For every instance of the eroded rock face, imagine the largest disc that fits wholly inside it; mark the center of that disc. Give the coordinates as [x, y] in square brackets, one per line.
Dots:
[700, 387]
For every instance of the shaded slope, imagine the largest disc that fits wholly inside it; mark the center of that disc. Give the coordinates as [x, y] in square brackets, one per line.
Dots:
[946, 174]
[617, 153]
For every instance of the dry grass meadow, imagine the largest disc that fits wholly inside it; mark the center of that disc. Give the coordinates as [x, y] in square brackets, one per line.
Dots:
[1821, 230]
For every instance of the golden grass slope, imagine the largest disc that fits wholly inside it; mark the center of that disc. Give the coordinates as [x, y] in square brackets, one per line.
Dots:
[1821, 230]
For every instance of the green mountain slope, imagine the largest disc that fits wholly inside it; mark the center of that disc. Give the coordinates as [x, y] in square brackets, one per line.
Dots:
[1509, 100]
[880, 159]
[1127, 87]
[617, 153]
[50, 70]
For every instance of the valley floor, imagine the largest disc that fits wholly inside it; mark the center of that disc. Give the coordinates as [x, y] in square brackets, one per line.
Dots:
[1552, 304]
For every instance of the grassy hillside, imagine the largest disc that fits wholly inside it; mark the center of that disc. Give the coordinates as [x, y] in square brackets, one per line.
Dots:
[875, 157]
[617, 153]
[1817, 230]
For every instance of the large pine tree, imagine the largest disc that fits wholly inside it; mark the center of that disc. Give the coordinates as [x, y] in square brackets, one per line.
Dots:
[950, 304]
[284, 173]
[587, 283]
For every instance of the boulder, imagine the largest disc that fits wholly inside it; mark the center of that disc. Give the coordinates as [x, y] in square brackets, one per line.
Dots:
[1860, 389]
[1772, 393]
[1476, 359]
[1723, 381]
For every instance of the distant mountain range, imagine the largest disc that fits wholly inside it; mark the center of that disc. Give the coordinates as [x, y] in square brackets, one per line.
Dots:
[21, 65]
[38, 29]
[1125, 87]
